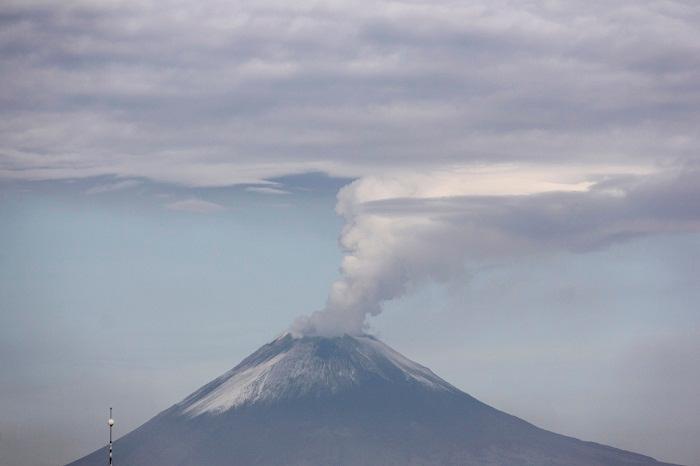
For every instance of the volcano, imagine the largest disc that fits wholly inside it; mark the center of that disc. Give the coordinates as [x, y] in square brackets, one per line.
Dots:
[348, 400]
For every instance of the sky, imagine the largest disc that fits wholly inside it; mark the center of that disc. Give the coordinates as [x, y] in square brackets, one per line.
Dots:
[503, 191]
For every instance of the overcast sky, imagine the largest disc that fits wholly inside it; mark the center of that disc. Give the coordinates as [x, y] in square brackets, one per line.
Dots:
[504, 191]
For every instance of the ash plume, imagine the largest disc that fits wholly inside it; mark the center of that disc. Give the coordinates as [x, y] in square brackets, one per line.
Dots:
[406, 230]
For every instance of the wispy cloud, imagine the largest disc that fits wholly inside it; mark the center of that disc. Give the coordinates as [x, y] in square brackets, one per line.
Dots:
[198, 206]
[266, 190]
[112, 187]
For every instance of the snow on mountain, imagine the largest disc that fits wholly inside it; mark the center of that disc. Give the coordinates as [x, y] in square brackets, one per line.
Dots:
[345, 401]
[290, 367]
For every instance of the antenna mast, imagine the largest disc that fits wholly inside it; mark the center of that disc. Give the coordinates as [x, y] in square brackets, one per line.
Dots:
[111, 423]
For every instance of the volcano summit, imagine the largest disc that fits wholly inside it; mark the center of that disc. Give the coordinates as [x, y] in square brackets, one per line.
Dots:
[347, 400]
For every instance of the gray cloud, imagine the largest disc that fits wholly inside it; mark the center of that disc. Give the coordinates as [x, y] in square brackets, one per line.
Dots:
[221, 94]
[609, 211]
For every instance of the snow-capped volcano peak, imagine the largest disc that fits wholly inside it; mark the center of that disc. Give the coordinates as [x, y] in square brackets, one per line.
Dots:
[348, 400]
[293, 368]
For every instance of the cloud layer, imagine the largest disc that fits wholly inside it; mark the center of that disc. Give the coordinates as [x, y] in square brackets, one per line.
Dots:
[220, 93]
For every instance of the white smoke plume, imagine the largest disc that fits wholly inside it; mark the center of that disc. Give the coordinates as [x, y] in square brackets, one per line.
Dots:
[408, 229]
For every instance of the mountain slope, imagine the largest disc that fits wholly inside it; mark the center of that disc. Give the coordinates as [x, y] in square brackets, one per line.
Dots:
[344, 401]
